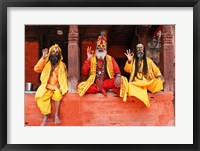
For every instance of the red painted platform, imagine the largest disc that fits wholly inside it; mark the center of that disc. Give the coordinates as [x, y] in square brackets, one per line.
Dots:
[98, 110]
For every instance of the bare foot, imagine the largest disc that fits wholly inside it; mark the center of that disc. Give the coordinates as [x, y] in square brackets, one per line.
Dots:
[104, 92]
[57, 120]
[44, 120]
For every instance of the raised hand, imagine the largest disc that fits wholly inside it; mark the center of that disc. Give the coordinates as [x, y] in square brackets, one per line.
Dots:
[90, 52]
[45, 52]
[129, 54]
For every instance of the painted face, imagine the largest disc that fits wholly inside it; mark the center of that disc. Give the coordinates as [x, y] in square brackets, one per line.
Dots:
[54, 56]
[140, 47]
[101, 46]
[55, 51]
[140, 50]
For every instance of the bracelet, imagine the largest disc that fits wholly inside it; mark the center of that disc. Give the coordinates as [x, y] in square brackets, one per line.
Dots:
[118, 75]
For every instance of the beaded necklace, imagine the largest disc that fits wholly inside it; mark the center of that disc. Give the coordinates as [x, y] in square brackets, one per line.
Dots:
[100, 69]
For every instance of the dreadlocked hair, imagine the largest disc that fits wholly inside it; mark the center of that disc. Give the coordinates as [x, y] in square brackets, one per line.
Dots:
[145, 67]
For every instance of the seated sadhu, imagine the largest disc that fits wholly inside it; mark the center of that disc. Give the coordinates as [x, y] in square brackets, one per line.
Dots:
[144, 75]
[102, 71]
[53, 81]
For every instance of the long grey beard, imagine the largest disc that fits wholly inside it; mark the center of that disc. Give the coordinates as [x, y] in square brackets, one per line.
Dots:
[101, 55]
[140, 55]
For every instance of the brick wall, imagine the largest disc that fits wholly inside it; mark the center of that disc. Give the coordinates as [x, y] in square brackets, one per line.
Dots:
[98, 110]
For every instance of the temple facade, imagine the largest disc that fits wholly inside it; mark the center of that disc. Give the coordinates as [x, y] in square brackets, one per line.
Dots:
[159, 41]
[96, 109]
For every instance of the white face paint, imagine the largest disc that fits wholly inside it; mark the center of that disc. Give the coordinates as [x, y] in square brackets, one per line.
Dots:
[100, 53]
[140, 47]
[140, 50]
[55, 51]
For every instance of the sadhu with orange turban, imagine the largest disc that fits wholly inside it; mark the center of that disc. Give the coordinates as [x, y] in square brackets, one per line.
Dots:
[53, 81]
[102, 71]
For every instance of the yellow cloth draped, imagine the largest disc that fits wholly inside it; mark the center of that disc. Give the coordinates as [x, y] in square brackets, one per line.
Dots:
[109, 66]
[124, 88]
[62, 79]
[84, 86]
[138, 87]
[44, 102]
[153, 70]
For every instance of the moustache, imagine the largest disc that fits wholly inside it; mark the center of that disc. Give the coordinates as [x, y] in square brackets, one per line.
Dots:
[54, 59]
[101, 54]
[140, 55]
[100, 50]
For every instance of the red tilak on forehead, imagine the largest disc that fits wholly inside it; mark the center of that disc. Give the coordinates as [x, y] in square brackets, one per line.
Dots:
[101, 41]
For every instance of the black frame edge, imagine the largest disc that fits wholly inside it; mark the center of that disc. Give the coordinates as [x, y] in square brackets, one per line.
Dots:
[1, 103]
[3, 79]
[3, 87]
[196, 74]
[101, 3]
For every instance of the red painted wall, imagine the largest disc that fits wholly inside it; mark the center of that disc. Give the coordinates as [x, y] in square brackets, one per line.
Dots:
[31, 58]
[117, 51]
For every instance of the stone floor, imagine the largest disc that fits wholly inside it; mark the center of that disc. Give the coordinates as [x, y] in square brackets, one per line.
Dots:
[98, 110]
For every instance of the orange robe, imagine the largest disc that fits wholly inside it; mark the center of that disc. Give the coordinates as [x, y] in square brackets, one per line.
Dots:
[53, 85]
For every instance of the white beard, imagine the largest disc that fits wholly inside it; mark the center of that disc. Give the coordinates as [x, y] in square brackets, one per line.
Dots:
[100, 55]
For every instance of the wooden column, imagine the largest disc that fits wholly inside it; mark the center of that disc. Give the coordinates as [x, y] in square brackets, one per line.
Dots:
[73, 58]
[167, 57]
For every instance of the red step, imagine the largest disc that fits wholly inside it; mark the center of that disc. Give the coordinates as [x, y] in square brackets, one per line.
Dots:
[98, 110]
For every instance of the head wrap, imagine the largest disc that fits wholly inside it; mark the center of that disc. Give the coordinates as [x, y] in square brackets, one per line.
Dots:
[56, 46]
[102, 41]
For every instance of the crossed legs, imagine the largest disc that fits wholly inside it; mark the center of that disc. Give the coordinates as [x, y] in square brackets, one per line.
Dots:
[107, 84]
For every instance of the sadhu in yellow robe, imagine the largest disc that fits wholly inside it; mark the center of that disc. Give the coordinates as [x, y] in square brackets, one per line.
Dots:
[53, 85]
[138, 86]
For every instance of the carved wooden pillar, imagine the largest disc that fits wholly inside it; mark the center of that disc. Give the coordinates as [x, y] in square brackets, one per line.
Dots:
[167, 55]
[73, 58]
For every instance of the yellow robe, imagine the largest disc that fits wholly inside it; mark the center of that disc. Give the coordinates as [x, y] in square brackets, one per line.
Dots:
[49, 84]
[62, 77]
[138, 87]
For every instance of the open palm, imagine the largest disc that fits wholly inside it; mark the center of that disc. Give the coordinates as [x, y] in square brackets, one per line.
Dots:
[129, 54]
[45, 52]
[90, 52]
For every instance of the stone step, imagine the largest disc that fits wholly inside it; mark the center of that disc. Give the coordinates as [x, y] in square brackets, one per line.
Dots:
[98, 110]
